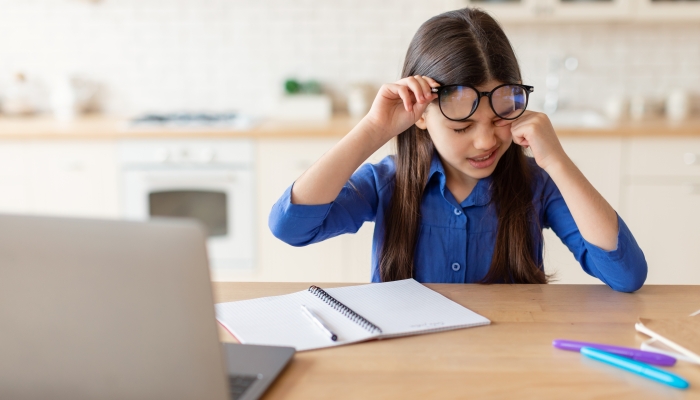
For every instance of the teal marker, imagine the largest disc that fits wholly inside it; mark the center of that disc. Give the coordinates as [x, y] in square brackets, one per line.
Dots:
[636, 367]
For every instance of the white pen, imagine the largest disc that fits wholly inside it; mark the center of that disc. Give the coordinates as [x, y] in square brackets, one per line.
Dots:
[317, 321]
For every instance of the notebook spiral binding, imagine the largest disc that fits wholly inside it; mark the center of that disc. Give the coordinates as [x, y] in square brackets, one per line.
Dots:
[343, 309]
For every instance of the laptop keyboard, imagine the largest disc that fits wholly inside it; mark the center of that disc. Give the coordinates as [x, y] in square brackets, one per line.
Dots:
[238, 384]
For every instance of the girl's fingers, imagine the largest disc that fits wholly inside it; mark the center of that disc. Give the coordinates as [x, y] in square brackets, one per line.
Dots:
[413, 90]
[520, 141]
[416, 88]
[405, 95]
[391, 89]
[425, 86]
[432, 82]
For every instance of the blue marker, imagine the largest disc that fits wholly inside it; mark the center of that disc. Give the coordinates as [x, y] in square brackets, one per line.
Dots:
[636, 367]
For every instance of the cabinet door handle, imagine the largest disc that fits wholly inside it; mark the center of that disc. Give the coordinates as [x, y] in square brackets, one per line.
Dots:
[690, 159]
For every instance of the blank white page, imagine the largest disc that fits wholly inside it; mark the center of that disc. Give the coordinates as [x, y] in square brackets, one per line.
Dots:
[406, 307]
[279, 321]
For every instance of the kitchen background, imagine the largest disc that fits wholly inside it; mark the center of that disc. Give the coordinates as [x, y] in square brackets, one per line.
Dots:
[593, 68]
[166, 55]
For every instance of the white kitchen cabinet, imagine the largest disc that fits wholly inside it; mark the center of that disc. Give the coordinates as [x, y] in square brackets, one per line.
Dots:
[279, 163]
[663, 157]
[600, 161]
[661, 202]
[653, 183]
[74, 178]
[665, 220]
[59, 178]
[14, 165]
[344, 258]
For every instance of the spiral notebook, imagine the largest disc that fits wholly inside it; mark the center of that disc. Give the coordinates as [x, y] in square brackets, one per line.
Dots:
[354, 313]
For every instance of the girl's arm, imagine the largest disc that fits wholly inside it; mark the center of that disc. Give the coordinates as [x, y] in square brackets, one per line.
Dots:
[594, 217]
[397, 106]
[624, 269]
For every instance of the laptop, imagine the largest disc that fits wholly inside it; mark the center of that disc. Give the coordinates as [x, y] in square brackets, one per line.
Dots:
[95, 309]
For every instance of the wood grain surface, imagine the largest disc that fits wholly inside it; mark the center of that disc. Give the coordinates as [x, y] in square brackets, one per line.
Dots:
[511, 358]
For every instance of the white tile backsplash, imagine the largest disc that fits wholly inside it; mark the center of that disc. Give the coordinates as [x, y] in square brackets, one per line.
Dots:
[168, 55]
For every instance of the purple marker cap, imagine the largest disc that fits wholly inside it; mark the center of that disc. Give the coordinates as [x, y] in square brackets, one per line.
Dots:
[638, 355]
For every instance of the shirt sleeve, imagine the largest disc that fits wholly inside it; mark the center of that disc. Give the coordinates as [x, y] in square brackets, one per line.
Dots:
[623, 269]
[357, 202]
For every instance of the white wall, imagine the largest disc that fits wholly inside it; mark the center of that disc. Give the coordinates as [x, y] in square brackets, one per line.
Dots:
[223, 54]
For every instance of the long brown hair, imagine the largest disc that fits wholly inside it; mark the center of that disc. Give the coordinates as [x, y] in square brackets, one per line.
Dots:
[463, 46]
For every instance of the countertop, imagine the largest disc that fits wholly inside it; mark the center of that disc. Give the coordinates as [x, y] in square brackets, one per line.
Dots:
[110, 128]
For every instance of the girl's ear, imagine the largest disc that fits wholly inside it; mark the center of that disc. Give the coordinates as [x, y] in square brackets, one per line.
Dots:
[421, 122]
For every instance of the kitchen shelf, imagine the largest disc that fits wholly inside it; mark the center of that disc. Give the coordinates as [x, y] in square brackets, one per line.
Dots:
[563, 11]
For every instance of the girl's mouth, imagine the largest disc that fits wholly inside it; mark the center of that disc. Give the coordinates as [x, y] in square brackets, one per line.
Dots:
[484, 161]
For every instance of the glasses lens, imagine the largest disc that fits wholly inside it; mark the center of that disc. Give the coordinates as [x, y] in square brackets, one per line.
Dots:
[509, 101]
[458, 102]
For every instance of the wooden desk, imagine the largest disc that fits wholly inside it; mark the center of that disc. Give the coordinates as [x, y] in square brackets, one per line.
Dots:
[511, 358]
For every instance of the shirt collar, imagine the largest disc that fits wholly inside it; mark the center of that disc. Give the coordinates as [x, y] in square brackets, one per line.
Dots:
[480, 196]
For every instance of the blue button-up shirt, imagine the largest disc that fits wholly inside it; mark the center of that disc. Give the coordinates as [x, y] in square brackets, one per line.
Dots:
[455, 240]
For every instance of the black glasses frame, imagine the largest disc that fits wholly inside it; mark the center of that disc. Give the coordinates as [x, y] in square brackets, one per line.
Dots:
[439, 89]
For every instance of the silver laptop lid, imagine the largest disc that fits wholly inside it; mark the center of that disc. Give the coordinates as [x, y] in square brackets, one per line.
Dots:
[106, 310]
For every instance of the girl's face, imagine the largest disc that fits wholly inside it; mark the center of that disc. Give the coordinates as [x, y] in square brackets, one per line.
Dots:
[469, 150]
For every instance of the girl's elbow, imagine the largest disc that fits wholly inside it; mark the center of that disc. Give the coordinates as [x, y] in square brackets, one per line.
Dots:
[287, 234]
[633, 282]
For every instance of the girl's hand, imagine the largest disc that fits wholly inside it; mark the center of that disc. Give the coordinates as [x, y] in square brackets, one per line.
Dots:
[400, 104]
[534, 130]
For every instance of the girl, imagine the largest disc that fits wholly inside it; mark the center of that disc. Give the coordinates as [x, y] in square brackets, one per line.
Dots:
[460, 201]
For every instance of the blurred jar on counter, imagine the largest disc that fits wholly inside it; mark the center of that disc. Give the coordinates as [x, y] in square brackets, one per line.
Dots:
[72, 96]
[677, 105]
[18, 97]
[359, 100]
[616, 108]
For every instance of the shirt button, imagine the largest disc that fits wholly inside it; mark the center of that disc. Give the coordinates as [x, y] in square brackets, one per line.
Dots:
[456, 267]
[458, 211]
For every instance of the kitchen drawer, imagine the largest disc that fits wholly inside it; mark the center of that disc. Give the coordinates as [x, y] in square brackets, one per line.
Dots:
[664, 220]
[664, 157]
[346, 258]
[74, 178]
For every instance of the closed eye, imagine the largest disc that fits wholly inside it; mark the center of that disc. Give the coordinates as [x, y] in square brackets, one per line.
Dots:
[462, 130]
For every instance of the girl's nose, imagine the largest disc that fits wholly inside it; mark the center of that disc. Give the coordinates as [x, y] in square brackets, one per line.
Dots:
[485, 136]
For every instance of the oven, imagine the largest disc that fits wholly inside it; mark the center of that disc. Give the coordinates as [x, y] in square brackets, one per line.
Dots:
[208, 180]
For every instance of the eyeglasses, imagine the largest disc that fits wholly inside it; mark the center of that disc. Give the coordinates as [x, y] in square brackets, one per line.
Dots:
[459, 102]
